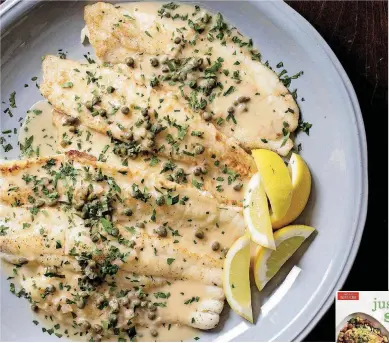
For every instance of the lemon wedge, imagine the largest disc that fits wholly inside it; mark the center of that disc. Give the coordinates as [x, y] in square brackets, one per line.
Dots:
[256, 213]
[301, 182]
[276, 181]
[236, 279]
[268, 262]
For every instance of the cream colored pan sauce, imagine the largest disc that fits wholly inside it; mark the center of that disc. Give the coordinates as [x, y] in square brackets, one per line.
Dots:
[39, 124]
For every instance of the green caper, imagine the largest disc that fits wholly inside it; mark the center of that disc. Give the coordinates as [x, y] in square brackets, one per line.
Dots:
[114, 305]
[199, 233]
[154, 332]
[52, 202]
[160, 200]
[110, 89]
[114, 232]
[144, 111]
[64, 143]
[167, 15]
[152, 307]
[231, 110]
[125, 110]
[95, 100]
[128, 212]
[161, 231]
[243, 99]
[154, 62]
[238, 187]
[40, 203]
[130, 61]
[199, 149]
[192, 84]
[215, 246]
[197, 171]
[85, 212]
[112, 319]
[141, 225]
[177, 40]
[72, 129]
[97, 328]
[79, 205]
[102, 112]
[89, 105]
[34, 307]
[151, 315]
[207, 116]
[85, 325]
[70, 121]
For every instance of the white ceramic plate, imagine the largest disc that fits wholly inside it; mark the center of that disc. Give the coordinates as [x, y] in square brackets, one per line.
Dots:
[335, 152]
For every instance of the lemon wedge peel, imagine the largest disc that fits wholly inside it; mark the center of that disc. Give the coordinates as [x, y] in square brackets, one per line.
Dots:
[256, 214]
[301, 183]
[236, 278]
[276, 181]
[288, 240]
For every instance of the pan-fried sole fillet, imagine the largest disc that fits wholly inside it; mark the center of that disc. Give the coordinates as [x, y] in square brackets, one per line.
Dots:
[169, 129]
[119, 32]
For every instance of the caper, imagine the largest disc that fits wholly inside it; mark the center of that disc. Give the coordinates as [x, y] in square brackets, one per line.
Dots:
[72, 129]
[151, 315]
[211, 83]
[70, 121]
[89, 105]
[95, 100]
[123, 151]
[144, 304]
[85, 325]
[243, 99]
[141, 225]
[114, 232]
[230, 110]
[160, 200]
[130, 61]
[52, 202]
[97, 328]
[197, 171]
[110, 89]
[144, 111]
[64, 143]
[199, 233]
[199, 149]
[152, 307]
[112, 319]
[128, 212]
[50, 289]
[238, 187]
[135, 303]
[177, 40]
[102, 112]
[125, 110]
[40, 203]
[215, 246]
[167, 15]
[79, 205]
[34, 307]
[114, 305]
[124, 301]
[161, 231]
[154, 62]
[207, 116]
[154, 332]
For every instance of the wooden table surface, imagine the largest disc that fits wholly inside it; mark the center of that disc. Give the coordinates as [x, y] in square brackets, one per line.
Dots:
[357, 31]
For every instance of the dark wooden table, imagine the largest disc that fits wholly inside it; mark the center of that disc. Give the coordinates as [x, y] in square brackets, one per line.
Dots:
[357, 33]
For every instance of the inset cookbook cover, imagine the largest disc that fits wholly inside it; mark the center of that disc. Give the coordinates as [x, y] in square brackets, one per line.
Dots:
[362, 317]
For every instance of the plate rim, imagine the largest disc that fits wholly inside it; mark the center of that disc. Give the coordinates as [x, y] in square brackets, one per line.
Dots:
[19, 6]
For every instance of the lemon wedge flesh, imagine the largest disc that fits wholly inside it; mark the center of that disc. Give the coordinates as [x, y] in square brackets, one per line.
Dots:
[276, 181]
[268, 262]
[301, 182]
[256, 213]
[236, 279]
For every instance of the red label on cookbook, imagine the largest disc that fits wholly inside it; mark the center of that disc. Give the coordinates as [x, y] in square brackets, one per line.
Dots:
[348, 295]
